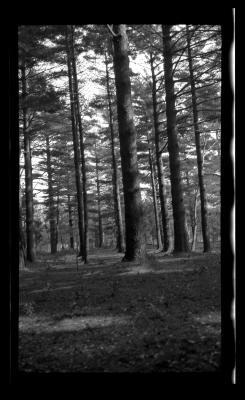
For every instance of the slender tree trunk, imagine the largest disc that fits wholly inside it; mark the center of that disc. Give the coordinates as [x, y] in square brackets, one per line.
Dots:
[194, 226]
[100, 243]
[81, 136]
[52, 211]
[134, 223]
[192, 210]
[76, 148]
[30, 240]
[204, 218]
[70, 222]
[22, 243]
[58, 230]
[154, 196]
[161, 185]
[115, 180]
[180, 234]
[70, 214]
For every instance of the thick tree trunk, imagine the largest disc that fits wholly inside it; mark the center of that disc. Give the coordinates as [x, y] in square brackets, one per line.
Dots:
[161, 185]
[52, 210]
[115, 180]
[81, 136]
[180, 234]
[30, 239]
[135, 241]
[204, 218]
[76, 147]
[100, 230]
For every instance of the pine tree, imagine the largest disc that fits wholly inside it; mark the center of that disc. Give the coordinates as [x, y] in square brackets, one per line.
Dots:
[180, 233]
[161, 185]
[30, 250]
[52, 208]
[115, 178]
[133, 207]
[75, 144]
[81, 137]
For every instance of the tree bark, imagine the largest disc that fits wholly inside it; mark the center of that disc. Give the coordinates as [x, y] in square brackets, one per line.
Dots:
[161, 185]
[75, 147]
[204, 218]
[100, 242]
[81, 136]
[30, 239]
[52, 210]
[135, 241]
[115, 180]
[180, 234]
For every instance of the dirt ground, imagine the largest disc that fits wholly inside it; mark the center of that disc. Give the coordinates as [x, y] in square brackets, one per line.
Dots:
[163, 315]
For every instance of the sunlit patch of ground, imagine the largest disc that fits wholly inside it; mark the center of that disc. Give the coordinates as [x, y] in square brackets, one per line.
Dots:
[211, 322]
[146, 269]
[46, 289]
[44, 324]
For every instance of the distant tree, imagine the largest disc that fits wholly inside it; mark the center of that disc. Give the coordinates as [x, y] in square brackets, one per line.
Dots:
[51, 200]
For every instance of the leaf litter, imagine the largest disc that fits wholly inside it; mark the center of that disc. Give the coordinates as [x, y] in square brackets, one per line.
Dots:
[108, 319]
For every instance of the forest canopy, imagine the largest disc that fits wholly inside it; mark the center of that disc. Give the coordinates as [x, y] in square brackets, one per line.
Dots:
[119, 138]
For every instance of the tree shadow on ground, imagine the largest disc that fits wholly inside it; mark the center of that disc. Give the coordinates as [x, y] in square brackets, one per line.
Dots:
[141, 322]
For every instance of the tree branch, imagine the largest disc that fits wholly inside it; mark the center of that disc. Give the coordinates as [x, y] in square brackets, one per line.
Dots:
[111, 31]
[165, 144]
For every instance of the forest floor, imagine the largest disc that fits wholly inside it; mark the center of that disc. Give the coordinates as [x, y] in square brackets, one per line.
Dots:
[108, 316]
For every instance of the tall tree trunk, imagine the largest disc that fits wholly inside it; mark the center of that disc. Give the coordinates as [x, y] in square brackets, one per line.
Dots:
[192, 211]
[180, 234]
[204, 218]
[70, 214]
[161, 185]
[22, 243]
[81, 136]
[134, 224]
[154, 195]
[52, 210]
[194, 226]
[30, 239]
[115, 180]
[76, 147]
[100, 243]
[58, 231]
[70, 223]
